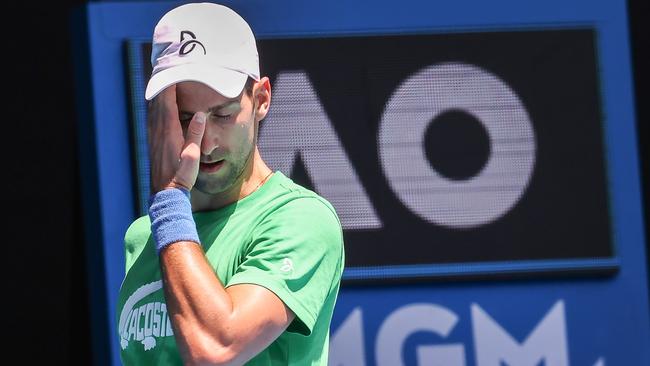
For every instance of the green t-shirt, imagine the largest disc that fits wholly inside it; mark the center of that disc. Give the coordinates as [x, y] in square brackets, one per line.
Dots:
[282, 236]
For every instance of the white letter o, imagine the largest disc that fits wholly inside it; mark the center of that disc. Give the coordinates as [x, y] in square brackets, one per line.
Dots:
[504, 178]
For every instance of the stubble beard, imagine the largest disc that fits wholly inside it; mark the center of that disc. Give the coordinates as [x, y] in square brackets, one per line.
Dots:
[211, 184]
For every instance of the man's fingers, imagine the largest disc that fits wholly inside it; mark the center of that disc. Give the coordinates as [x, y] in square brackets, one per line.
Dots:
[195, 129]
[168, 99]
[188, 167]
[162, 109]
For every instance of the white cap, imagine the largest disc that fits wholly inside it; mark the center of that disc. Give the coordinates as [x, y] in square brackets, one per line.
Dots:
[203, 42]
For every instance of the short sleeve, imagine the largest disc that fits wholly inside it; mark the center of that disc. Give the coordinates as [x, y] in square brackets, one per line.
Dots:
[297, 253]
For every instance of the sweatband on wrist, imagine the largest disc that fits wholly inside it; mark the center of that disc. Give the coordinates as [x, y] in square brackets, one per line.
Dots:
[170, 212]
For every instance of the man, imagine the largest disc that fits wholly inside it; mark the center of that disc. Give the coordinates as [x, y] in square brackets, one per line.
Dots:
[234, 264]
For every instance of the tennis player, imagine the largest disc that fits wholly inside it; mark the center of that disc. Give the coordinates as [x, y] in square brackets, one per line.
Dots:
[234, 263]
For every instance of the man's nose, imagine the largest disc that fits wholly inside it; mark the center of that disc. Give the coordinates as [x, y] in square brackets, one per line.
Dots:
[210, 139]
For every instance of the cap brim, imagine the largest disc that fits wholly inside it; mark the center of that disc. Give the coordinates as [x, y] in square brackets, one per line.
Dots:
[226, 82]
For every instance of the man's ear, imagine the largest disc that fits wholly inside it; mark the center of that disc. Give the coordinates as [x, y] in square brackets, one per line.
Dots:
[262, 98]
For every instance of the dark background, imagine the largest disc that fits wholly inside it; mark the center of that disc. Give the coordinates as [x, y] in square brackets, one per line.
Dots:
[552, 71]
[44, 267]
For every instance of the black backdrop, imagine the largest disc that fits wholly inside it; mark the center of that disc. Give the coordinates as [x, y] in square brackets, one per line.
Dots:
[43, 268]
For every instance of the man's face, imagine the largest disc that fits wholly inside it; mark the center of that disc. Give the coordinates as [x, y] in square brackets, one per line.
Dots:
[230, 132]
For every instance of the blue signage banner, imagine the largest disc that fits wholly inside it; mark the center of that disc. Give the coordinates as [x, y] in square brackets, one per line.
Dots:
[482, 158]
[477, 154]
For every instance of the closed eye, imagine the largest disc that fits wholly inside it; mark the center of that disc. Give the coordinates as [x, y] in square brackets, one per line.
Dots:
[220, 116]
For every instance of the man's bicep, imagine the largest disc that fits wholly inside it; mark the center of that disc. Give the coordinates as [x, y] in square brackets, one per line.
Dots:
[259, 317]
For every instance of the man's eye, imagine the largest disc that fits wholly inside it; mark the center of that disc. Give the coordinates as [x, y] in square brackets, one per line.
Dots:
[220, 116]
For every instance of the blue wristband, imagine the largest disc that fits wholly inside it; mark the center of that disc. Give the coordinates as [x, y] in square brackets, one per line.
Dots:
[170, 212]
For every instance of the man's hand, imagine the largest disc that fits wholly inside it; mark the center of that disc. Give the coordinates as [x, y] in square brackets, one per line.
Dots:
[174, 159]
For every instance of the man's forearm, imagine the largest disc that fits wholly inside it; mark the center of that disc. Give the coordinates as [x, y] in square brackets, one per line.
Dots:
[199, 307]
[213, 325]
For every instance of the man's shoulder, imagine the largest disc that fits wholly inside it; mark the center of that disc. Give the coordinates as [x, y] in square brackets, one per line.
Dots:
[299, 200]
[138, 232]
[141, 225]
[135, 239]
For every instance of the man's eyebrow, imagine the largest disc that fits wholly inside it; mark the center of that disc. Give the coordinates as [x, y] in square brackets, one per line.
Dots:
[215, 108]
[227, 104]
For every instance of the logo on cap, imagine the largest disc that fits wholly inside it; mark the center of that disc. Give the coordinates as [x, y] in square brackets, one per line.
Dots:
[189, 42]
